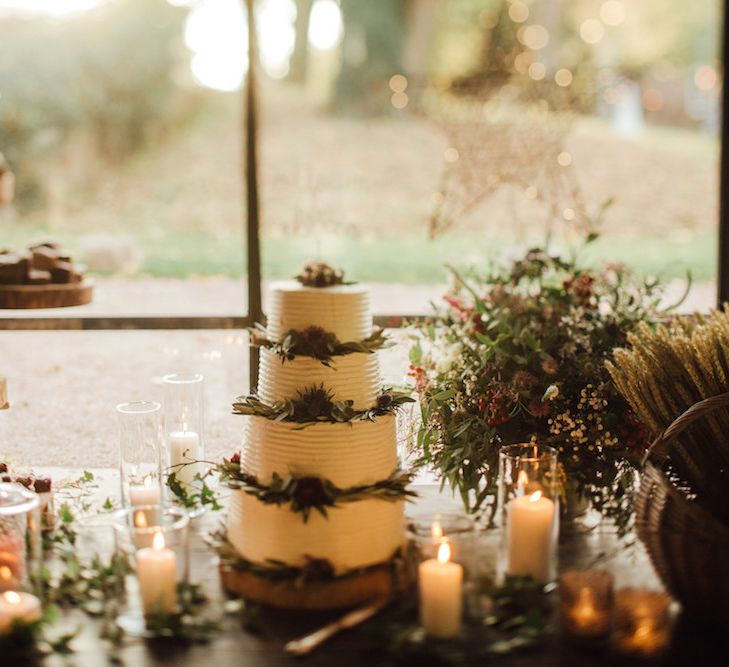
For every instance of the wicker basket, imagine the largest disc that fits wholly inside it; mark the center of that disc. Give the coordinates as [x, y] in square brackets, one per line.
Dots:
[687, 545]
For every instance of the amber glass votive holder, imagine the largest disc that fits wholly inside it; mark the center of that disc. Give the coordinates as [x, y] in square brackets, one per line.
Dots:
[586, 603]
[642, 622]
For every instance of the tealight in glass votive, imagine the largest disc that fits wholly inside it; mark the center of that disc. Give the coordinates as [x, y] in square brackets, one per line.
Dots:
[140, 453]
[184, 402]
[642, 622]
[156, 541]
[20, 556]
[20, 536]
[586, 604]
[528, 498]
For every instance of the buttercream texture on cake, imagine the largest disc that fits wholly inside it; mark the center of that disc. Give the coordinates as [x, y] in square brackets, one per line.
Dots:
[355, 377]
[352, 535]
[347, 454]
[343, 310]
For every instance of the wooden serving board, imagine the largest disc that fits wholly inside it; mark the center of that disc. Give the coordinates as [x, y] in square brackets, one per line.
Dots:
[46, 296]
[343, 593]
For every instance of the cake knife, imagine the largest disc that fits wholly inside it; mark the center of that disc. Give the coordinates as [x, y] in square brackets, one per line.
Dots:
[306, 644]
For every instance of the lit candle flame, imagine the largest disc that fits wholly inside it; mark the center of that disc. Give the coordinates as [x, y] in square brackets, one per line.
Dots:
[140, 519]
[436, 531]
[12, 597]
[6, 574]
[147, 481]
[158, 542]
[535, 496]
[444, 551]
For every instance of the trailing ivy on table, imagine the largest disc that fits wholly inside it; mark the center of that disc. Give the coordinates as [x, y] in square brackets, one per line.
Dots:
[316, 404]
[305, 493]
[316, 343]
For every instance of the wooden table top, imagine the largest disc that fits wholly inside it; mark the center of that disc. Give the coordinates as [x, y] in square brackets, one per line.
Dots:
[233, 646]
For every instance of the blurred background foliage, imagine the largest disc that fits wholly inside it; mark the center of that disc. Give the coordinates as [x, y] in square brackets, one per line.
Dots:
[109, 128]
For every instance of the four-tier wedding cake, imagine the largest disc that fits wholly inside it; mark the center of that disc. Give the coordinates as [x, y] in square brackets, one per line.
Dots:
[317, 478]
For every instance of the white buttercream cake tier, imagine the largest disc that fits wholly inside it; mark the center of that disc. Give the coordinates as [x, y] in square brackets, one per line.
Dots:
[343, 310]
[354, 377]
[352, 535]
[346, 454]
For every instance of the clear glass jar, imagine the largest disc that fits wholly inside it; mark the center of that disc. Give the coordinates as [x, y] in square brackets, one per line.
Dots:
[184, 408]
[529, 506]
[140, 453]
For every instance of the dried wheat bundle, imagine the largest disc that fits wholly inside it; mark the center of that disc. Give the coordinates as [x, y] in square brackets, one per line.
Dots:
[666, 370]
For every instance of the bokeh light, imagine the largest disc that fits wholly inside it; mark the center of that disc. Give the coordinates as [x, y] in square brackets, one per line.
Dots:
[534, 36]
[592, 31]
[488, 19]
[705, 77]
[518, 12]
[568, 214]
[325, 25]
[398, 83]
[563, 77]
[564, 159]
[399, 100]
[612, 12]
[537, 71]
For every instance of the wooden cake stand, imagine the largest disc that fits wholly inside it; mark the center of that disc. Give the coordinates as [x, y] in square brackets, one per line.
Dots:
[46, 296]
[352, 591]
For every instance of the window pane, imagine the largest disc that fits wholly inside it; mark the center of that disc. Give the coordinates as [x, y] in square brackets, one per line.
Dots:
[123, 133]
[410, 135]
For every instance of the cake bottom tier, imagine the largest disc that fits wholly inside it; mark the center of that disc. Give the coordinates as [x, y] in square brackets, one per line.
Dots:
[351, 536]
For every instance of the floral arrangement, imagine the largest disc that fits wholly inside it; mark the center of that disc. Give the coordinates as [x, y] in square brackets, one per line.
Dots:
[519, 355]
[319, 274]
[316, 404]
[306, 493]
[316, 343]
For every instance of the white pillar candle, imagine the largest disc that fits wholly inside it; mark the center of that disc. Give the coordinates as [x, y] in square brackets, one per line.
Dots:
[184, 448]
[17, 606]
[147, 493]
[157, 575]
[441, 597]
[531, 534]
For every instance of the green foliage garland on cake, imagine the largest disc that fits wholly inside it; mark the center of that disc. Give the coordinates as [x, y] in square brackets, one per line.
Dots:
[317, 405]
[316, 343]
[306, 493]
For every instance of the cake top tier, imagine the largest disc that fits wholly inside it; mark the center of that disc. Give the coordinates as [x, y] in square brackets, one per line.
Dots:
[342, 309]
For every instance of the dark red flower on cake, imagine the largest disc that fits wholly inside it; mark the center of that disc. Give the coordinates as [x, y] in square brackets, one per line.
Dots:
[314, 342]
[317, 569]
[319, 274]
[310, 492]
[313, 404]
[235, 458]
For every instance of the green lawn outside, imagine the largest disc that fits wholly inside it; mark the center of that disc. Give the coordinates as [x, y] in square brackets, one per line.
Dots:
[405, 258]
